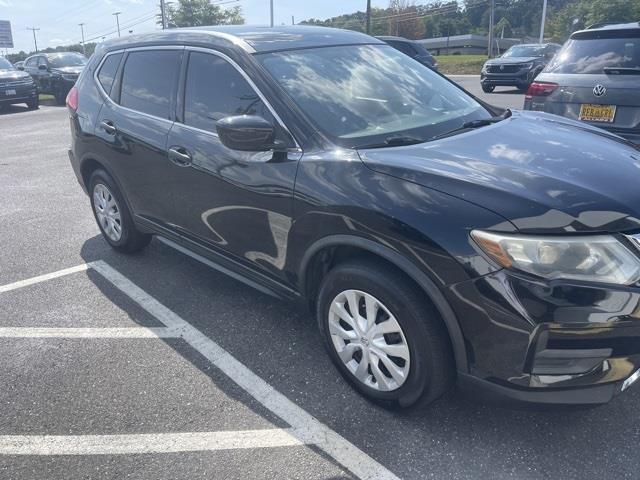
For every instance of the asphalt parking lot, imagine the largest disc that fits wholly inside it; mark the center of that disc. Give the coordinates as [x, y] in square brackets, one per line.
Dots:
[154, 366]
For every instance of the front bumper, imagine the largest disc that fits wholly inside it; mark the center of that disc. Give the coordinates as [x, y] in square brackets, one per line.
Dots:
[537, 342]
[24, 93]
[518, 79]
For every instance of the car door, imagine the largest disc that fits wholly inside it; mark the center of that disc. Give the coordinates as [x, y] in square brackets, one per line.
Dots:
[31, 67]
[45, 75]
[133, 125]
[236, 203]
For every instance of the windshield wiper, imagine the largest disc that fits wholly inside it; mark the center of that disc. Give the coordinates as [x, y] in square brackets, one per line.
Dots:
[621, 70]
[394, 141]
[474, 124]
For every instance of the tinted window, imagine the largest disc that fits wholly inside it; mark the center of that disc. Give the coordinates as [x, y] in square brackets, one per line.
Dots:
[148, 81]
[31, 62]
[525, 51]
[70, 59]
[215, 89]
[403, 47]
[595, 55]
[108, 71]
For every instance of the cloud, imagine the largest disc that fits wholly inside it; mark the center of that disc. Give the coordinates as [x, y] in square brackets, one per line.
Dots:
[6, 3]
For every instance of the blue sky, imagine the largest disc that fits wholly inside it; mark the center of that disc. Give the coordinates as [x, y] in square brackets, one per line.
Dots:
[58, 19]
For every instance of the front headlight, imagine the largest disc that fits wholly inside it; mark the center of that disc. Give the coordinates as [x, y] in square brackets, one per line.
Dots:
[596, 258]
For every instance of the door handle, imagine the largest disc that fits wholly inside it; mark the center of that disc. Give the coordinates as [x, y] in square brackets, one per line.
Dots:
[108, 126]
[180, 156]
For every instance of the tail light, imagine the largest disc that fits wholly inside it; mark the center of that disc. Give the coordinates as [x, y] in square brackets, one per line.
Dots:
[540, 89]
[72, 99]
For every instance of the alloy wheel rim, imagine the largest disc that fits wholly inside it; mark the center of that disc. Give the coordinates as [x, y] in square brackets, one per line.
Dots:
[107, 212]
[369, 340]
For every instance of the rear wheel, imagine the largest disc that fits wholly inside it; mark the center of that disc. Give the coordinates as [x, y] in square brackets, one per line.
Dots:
[33, 104]
[61, 97]
[488, 88]
[384, 338]
[113, 216]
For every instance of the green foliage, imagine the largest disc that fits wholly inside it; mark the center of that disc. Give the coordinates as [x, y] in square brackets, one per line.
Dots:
[516, 18]
[194, 13]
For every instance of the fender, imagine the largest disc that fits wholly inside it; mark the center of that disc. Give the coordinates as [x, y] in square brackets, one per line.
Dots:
[436, 296]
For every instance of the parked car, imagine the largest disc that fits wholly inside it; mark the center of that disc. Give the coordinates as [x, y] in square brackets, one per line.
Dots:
[55, 73]
[16, 86]
[595, 79]
[435, 239]
[413, 49]
[517, 67]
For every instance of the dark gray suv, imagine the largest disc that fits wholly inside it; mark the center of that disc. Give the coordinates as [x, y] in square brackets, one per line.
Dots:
[595, 78]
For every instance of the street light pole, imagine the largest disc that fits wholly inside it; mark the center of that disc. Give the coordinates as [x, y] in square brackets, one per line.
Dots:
[35, 41]
[163, 14]
[82, 30]
[368, 17]
[544, 16]
[118, 21]
[271, 9]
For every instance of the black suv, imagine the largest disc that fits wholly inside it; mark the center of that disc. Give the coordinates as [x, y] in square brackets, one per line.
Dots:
[55, 73]
[435, 239]
[16, 86]
[517, 67]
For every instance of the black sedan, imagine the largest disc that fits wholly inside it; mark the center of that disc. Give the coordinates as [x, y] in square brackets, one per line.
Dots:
[517, 67]
[412, 49]
[16, 86]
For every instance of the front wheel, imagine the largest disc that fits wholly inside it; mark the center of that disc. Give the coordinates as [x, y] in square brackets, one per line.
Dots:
[488, 88]
[33, 104]
[113, 216]
[386, 340]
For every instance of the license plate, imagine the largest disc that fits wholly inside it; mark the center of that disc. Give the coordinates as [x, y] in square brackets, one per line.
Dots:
[597, 113]
[10, 92]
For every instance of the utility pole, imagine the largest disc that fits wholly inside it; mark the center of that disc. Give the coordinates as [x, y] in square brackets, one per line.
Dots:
[163, 14]
[544, 16]
[82, 30]
[271, 7]
[35, 41]
[491, 20]
[293, 20]
[118, 21]
[368, 17]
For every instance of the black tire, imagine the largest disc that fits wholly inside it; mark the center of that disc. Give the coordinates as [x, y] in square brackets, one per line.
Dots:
[61, 97]
[432, 366]
[488, 88]
[131, 239]
[33, 104]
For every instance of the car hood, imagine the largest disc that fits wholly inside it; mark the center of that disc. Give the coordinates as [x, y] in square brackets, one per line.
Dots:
[12, 74]
[543, 173]
[511, 60]
[73, 70]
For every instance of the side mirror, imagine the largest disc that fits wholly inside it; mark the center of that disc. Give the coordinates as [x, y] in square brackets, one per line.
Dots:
[20, 67]
[42, 67]
[246, 133]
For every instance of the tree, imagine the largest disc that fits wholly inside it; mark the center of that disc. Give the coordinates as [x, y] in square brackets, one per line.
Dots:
[404, 20]
[194, 13]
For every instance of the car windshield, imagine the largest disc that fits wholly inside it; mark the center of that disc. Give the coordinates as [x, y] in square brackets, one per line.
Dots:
[67, 60]
[595, 55]
[525, 51]
[358, 95]
[5, 64]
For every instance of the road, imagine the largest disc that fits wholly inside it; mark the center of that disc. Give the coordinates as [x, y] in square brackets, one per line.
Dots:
[180, 372]
[505, 97]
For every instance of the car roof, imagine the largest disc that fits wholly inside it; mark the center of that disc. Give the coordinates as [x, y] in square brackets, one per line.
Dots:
[597, 30]
[250, 38]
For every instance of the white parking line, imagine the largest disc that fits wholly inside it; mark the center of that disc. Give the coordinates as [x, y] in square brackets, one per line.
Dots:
[73, 332]
[45, 277]
[305, 427]
[144, 443]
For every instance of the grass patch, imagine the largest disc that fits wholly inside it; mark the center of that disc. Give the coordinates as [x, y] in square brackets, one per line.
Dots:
[44, 97]
[461, 64]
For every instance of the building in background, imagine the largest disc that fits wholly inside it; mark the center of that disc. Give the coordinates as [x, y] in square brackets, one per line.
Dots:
[470, 44]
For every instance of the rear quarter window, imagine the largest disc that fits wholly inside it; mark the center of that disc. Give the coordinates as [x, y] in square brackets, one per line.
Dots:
[149, 81]
[107, 73]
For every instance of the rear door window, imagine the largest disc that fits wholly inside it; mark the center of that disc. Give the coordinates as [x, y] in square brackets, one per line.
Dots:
[214, 89]
[149, 81]
[596, 56]
[107, 73]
